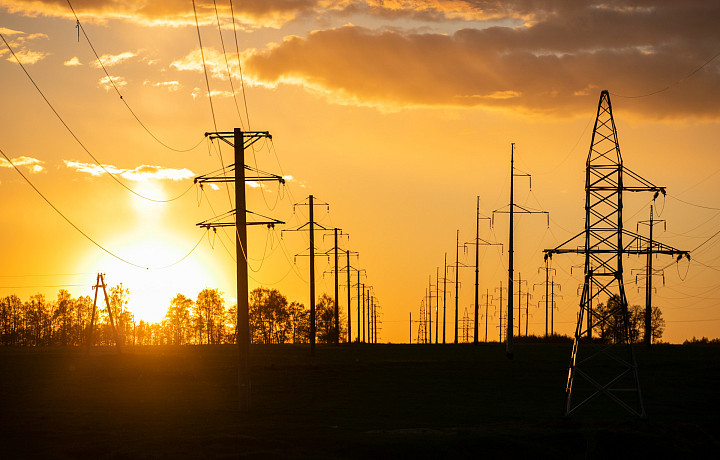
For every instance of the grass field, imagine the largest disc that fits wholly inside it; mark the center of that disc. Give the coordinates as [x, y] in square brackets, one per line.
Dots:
[352, 401]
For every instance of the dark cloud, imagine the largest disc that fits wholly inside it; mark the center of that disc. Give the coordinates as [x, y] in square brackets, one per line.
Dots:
[555, 65]
[250, 13]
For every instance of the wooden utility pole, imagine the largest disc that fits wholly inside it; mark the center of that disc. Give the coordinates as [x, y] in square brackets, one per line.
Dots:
[100, 283]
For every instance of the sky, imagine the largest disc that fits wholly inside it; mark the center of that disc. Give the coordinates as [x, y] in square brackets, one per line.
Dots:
[394, 115]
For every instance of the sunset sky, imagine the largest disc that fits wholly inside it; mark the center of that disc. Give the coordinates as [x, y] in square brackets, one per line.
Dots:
[397, 114]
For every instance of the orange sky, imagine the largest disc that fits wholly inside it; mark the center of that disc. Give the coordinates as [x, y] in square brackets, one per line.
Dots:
[396, 113]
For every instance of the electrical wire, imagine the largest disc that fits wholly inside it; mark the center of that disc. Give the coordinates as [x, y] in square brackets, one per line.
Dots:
[237, 52]
[202, 54]
[74, 136]
[85, 234]
[227, 65]
[81, 28]
[675, 83]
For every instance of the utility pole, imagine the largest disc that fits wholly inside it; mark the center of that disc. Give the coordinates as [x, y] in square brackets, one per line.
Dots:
[487, 305]
[648, 276]
[520, 282]
[311, 224]
[359, 300]
[240, 140]
[547, 271]
[437, 303]
[509, 351]
[100, 283]
[501, 310]
[444, 295]
[336, 335]
[458, 266]
[349, 294]
[477, 243]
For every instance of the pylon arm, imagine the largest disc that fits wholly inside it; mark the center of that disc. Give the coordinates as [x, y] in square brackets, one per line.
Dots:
[217, 221]
[249, 137]
[220, 176]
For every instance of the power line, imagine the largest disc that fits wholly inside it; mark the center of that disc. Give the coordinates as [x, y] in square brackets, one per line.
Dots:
[237, 52]
[81, 28]
[77, 139]
[227, 66]
[85, 234]
[675, 83]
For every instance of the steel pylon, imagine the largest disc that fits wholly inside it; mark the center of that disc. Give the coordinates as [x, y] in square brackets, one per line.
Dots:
[606, 365]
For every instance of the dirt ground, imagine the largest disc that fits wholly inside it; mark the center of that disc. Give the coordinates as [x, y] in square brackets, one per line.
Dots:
[351, 401]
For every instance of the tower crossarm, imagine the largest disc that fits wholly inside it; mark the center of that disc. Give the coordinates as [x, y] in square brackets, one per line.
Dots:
[634, 242]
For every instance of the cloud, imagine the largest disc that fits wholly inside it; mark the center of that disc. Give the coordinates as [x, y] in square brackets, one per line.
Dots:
[74, 61]
[110, 60]
[171, 86]
[19, 42]
[555, 64]
[107, 82]
[249, 14]
[139, 174]
[32, 164]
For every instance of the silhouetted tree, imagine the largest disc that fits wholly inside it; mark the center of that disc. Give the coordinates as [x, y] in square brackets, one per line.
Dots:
[269, 316]
[211, 309]
[299, 323]
[178, 319]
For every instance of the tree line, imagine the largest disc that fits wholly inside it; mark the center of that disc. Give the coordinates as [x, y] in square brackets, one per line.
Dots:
[65, 321]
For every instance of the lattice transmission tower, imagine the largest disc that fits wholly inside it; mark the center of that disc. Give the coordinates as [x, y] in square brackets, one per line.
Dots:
[606, 366]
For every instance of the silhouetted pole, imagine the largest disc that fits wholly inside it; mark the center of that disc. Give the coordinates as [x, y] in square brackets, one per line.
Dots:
[429, 304]
[457, 270]
[444, 295]
[312, 276]
[477, 267]
[437, 304]
[243, 308]
[337, 291]
[363, 313]
[509, 338]
[519, 318]
[552, 311]
[410, 327]
[359, 298]
[349, 295]
[487, 304]
[527, 311]
[648, 287]
[501, 311]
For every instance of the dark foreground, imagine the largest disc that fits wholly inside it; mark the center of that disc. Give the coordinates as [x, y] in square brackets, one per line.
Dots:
[354, 401]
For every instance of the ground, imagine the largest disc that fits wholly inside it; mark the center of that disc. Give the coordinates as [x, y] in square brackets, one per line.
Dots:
[351, 401]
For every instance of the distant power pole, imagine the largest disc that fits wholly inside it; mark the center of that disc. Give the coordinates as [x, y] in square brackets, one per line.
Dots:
[240, 140]
[501, 309]
[509, 351]
[349, 293]
[458, 266]
[477, 243]
[311, 224]
[547, 271]
[100, 283]
[487, 304]
[648, 277]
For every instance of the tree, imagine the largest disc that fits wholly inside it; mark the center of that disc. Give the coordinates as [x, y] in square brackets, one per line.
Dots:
[325, 320]
[269, 316]
[299, 318]
[210, 311]
[178, 319]
[119, 298]
[657, 323]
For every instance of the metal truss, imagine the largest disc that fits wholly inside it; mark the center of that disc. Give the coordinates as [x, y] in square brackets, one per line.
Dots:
[600, 366]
